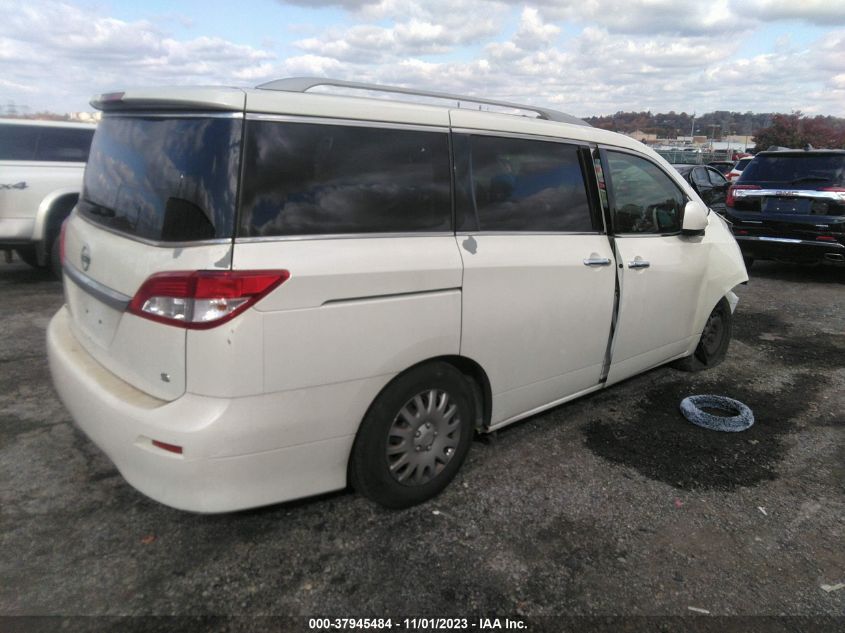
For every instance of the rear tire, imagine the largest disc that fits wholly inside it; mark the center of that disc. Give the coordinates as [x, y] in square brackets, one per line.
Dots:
[414, 437]
[714, 342]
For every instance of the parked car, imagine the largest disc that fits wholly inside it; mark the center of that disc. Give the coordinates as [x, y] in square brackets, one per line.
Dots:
[722, 166]
[272, 293]
[741, 164]
[41, 166]
[790, 205]
[708, 183]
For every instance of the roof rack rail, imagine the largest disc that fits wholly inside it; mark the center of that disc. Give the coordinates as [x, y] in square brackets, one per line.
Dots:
[303, 84]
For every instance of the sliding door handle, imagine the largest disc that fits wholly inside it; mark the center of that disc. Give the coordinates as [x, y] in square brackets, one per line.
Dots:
[597, 261]
[639, 263]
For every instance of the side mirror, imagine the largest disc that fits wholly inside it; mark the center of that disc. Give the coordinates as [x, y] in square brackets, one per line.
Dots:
[695, 218]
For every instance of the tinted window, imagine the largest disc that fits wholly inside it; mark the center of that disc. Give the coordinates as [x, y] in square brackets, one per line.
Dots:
[166, 179]
[645, 200]
[699, 177]
[302, 179]
[63, 144]
[521, 185]
[805, 169]
[716, 178]
[18, 142]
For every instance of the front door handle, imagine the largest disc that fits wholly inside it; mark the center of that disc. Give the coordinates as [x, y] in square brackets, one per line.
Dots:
[639, 263]
[597, 261]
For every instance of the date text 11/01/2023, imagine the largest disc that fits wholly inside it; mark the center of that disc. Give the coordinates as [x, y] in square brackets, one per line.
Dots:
[415, 624]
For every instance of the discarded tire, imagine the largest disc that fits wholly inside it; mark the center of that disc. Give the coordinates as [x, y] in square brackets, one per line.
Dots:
[693, 410]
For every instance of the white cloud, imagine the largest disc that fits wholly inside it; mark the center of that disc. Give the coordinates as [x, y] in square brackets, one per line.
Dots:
[819, 12]
[72, 53]
[586, 57]
[831, 52]
[533, 33]
[680, 17]
[417, 28]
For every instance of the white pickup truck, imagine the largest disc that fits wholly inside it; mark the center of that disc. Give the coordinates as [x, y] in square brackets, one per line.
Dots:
[41, 168]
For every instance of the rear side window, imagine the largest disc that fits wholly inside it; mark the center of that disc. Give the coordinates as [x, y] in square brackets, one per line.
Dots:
[511, 184]
[47, 143]
[645, 199]
[18, 142]
[313, 179]
[165, 179]
[64, 144]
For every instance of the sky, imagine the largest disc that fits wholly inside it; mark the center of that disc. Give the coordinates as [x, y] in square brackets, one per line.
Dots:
[584, 57]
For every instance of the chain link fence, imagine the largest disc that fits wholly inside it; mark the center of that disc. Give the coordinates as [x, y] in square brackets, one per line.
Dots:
[694, 156]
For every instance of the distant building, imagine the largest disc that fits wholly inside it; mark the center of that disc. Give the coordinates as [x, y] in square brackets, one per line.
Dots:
[643, 137]
[86, 117]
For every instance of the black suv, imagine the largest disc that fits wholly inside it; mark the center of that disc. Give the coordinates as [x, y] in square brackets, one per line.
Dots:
[790, 205]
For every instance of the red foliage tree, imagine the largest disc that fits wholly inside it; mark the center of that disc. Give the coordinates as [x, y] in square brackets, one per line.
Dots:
[796, 130]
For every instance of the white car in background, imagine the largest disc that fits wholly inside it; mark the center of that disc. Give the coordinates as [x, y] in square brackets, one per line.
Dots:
[41, 167]
[736, 172]
[272, 293]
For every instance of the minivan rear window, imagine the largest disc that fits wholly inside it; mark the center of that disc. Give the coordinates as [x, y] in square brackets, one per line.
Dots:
[168, 179]
[319, 179]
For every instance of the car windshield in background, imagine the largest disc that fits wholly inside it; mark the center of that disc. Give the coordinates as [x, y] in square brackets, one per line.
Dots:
[800, 169]
[166, 179]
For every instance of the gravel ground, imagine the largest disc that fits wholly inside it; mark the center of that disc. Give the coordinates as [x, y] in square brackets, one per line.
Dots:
[612, 505]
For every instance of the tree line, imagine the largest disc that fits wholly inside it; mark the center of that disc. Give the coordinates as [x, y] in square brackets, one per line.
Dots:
[765, 129]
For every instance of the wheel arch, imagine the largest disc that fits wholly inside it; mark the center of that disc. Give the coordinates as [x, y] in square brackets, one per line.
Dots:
[725, 271]
[52, 211]
[476, 376]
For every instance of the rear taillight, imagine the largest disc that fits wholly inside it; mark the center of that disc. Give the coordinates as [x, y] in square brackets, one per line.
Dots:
[202, 299]
[825, 238]
[731, 197]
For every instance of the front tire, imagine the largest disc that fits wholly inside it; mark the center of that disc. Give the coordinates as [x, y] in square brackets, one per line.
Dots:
[714, 342]
[414, 438]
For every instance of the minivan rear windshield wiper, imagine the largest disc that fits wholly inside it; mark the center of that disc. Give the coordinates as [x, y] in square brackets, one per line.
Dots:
[96, 209]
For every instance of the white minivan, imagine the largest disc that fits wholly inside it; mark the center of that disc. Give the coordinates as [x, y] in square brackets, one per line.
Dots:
[273, 293]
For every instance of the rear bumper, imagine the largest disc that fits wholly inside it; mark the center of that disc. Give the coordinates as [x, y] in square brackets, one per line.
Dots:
[762, 247]
[235, 455]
